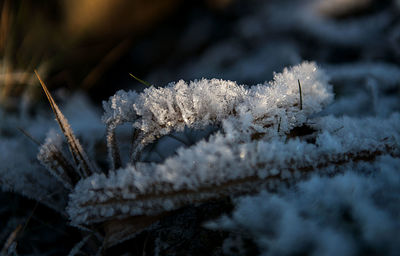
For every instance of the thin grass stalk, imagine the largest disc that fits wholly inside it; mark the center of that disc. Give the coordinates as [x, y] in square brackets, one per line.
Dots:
[76, 149]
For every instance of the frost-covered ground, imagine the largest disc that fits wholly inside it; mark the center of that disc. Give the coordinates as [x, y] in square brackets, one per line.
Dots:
[305, 164]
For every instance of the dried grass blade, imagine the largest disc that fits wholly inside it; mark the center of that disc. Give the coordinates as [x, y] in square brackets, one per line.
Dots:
[11, 239]
[75, 147]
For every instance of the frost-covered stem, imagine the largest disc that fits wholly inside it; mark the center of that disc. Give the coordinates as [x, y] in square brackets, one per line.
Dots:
[137, 146]
[58, 165]
[113, 151]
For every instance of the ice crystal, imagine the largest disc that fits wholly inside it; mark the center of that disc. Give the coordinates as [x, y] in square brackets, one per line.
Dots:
[222, 167]
[322, 215]
[270, 136]
[269, 139]
[158, 111]
[51, 156]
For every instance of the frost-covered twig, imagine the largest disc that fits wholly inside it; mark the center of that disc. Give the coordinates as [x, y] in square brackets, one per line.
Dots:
[118, 110]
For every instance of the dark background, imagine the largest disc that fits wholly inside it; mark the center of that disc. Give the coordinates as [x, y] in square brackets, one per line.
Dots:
[91, 47]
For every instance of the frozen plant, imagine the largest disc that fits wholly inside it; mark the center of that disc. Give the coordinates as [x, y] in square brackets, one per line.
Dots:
[270, 137]
[223, 167]
[258, 109]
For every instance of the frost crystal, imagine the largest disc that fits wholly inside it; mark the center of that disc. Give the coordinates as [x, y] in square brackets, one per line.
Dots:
[324, 212]
[51, 156]
[252, 153]
[219, 167]
[271, 136]
[158, 111]
[119, 108]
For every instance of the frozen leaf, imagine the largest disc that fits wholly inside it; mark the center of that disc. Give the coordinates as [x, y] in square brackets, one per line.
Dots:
[220, 167]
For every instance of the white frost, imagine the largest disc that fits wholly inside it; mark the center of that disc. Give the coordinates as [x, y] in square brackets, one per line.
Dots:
[158, 111]
[201, 169]
[341, 215]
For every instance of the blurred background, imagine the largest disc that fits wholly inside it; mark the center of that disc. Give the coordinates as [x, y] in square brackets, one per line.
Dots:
[89, 47]
[92, 45]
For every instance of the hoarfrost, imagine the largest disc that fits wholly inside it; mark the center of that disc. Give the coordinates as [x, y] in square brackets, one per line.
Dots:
[255, 150]
[119, 108]
[223, 167]
[271, 136]
[200, 103]
[349, 214]
[20, 171]
[21, 174]
[51, 156]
